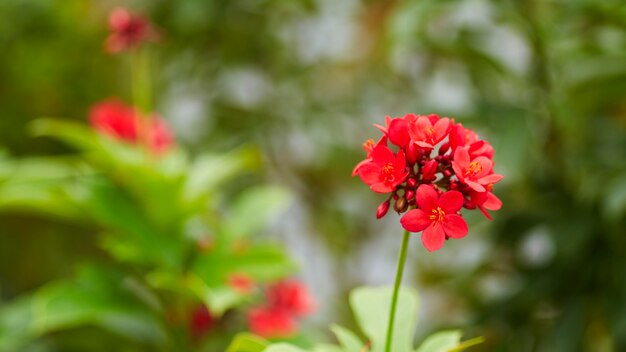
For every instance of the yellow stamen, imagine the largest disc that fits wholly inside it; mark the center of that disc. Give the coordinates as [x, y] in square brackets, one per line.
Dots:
[474, 168]
[437, 214]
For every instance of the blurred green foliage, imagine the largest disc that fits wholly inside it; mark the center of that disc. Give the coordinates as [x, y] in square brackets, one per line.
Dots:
[544, 81]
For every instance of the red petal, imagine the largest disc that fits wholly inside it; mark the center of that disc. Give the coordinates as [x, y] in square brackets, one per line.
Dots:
[381, 187]
[426, 198]
[433, 237]
[461, 157]
[415, 220]
[486, 166]
[369, 173]
[455, 226]
[441, 128]
[382, 155]
[424, 144]
[398, 132]
[475, 186]
[458, 171]
[355, 171]
[451, 201]
[485, 213]
[493, 178]
[492, 202]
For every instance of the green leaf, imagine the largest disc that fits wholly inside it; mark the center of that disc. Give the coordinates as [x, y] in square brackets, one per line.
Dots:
[441, 342]
[371, 309]
[283, 347]
[97, 297]
[209, 171]
[347, 339]
[245, 342]
[327, 348]
[254, 208]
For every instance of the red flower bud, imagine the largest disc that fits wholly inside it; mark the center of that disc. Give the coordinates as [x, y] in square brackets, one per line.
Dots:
[444, 148]
[411, 182]
[429, 170]
[382, 209]
[409, 194]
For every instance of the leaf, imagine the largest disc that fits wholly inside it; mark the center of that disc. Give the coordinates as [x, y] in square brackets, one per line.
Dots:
[209, 171]
[254, 208]
[441, 342]
[283, 347]
[327, 348]
[371, 309]
[97, 297]
[245, 342]
[347, 339]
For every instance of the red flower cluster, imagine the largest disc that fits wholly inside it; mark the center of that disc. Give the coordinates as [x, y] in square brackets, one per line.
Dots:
[286, 301]
[125, 123]
[128, 30]
[439, 168]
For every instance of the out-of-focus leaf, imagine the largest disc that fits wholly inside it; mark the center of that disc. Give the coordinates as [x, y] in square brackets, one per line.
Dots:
[254, 208]
[245, 342]
[78, 135]
[283, 347]
[347, 339]
[327, 348]
[440, 342]
[97, 297]
[261, 262]
[208, 171]
[371, 309]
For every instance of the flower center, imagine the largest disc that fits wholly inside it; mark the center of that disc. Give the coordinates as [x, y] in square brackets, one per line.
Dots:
[474, 169]
[437, 214]
[388, 172]
[430, 135]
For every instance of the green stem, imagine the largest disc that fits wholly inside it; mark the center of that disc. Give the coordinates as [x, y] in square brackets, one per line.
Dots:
[141, 85]
[396, 288]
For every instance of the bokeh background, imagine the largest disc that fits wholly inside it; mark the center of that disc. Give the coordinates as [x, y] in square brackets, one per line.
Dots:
[543, 81]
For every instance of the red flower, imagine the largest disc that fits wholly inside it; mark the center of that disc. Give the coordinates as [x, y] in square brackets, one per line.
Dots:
[385, 171]
[271, 322]
[128, 30]
[200, 322]
[396, 130]
[464, 137]
[119, 121]
[486, 200]
[476, 173]
[369, 146]
[241, 283]
[290, 296]
[426, 133]
[436, 216]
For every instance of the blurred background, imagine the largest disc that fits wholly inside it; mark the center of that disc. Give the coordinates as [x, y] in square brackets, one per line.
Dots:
[543, 81]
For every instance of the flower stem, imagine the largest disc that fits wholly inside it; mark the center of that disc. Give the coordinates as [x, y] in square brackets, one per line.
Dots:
[396, 288]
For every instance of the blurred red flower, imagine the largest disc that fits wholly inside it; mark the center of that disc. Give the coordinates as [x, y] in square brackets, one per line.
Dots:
[114, 119]
[291, 296]
[272, 322]
[128, 30]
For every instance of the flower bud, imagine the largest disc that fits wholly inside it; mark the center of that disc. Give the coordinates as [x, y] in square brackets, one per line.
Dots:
[401, 205]
[411, 182]
[444, 148]
[382, 209]
[409, 194]
[429, 170]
